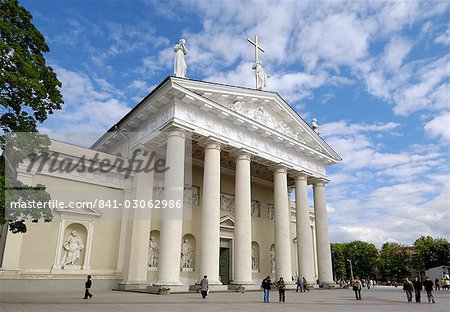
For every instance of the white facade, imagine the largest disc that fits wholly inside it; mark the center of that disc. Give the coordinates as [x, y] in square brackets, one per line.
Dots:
[249, 150]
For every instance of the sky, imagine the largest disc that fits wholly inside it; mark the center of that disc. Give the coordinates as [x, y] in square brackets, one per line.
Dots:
[375, 74]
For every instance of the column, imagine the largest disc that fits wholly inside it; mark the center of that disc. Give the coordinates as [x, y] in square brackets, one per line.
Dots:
[282, 226]
[12, 251]
[13, 242]
[210, 220]
[322, 236]
[304, 238]
[243, 222]
[135, 271]
[171, 223]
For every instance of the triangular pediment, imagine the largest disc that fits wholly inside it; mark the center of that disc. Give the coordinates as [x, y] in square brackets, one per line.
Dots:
[227, 222]
[268, 109]
[81, 208]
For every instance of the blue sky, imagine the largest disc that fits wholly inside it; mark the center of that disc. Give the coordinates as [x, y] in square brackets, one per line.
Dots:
[375, 74]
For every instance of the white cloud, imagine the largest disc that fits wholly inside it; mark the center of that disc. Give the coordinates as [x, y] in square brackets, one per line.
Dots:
[439, 127]
[444, 38]
[90, 106]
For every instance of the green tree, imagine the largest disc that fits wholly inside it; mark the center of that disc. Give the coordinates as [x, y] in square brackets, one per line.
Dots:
[430, 252]
[393, 262]
[338, 257]
[364, 258]
[29, 92]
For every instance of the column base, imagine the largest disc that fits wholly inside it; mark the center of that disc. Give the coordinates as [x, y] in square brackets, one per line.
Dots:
[132, 285]
[167, 290]
[329, 285]
[212, 288]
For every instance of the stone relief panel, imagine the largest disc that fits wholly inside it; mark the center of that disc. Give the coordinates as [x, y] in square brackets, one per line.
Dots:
[271, 150]
[256, 208]
[227, 202]
[191, 194]
[188, 253]
[271, 211]
[272, 258]
[255, 257]
[153, 250]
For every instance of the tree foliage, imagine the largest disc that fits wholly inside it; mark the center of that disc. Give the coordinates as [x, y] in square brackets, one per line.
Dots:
[339, 260]
[364, 258]
[430, 252]
[29, 92]
[393, 262]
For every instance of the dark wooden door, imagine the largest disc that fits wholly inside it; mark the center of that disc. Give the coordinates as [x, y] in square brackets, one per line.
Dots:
[224, 265]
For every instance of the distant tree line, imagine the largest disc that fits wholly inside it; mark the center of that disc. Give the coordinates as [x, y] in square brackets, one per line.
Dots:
[392, 262]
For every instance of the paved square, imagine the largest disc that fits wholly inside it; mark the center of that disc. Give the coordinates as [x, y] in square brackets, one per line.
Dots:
[383, 299]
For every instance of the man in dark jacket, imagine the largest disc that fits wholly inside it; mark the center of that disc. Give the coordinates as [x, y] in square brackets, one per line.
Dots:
[417, 289]
[428, 285]
[408, 288]
[87, 287]
[266, 283]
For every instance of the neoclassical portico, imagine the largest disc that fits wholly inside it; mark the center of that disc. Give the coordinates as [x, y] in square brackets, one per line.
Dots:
[237, 223]
[255, 129]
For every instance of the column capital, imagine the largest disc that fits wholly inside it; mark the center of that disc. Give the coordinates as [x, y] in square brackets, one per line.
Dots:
[279, 168]
[320, 182]
[242, 154]
[300, 175]
[174, 129]
[212, 143]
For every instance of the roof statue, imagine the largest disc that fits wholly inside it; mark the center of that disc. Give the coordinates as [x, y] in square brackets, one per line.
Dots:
[314, 125]
[179, 67]
[260, 74]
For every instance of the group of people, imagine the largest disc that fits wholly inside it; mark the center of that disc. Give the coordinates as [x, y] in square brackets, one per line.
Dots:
[409, 287]
[417, 286]
[266, 285]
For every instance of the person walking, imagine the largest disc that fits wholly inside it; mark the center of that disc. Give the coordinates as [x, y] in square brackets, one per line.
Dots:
[299, 284]
[305, 284]
[204, 286]
[437, 284]
[357, 285]
[265, 285]
[417, 289]
[281, 290]
[408, 287]
[87, 288]
[428, 285]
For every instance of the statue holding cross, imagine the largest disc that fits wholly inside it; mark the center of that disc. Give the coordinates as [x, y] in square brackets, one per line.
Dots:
[260, 75]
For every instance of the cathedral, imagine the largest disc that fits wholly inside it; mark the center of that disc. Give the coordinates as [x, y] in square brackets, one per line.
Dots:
[219, 185]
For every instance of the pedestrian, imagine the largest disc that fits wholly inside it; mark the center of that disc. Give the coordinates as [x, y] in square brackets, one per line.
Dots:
[357, 285]
[299, 284]
[408, 287]
[281, 290]
[265, 285]
[417, 289]
[204, 286]
[428, 285]
[305, 284]
[437, 284]
[87, 287]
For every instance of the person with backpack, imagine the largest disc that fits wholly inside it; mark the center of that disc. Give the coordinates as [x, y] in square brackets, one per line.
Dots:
[357, 286]
[408, 288]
